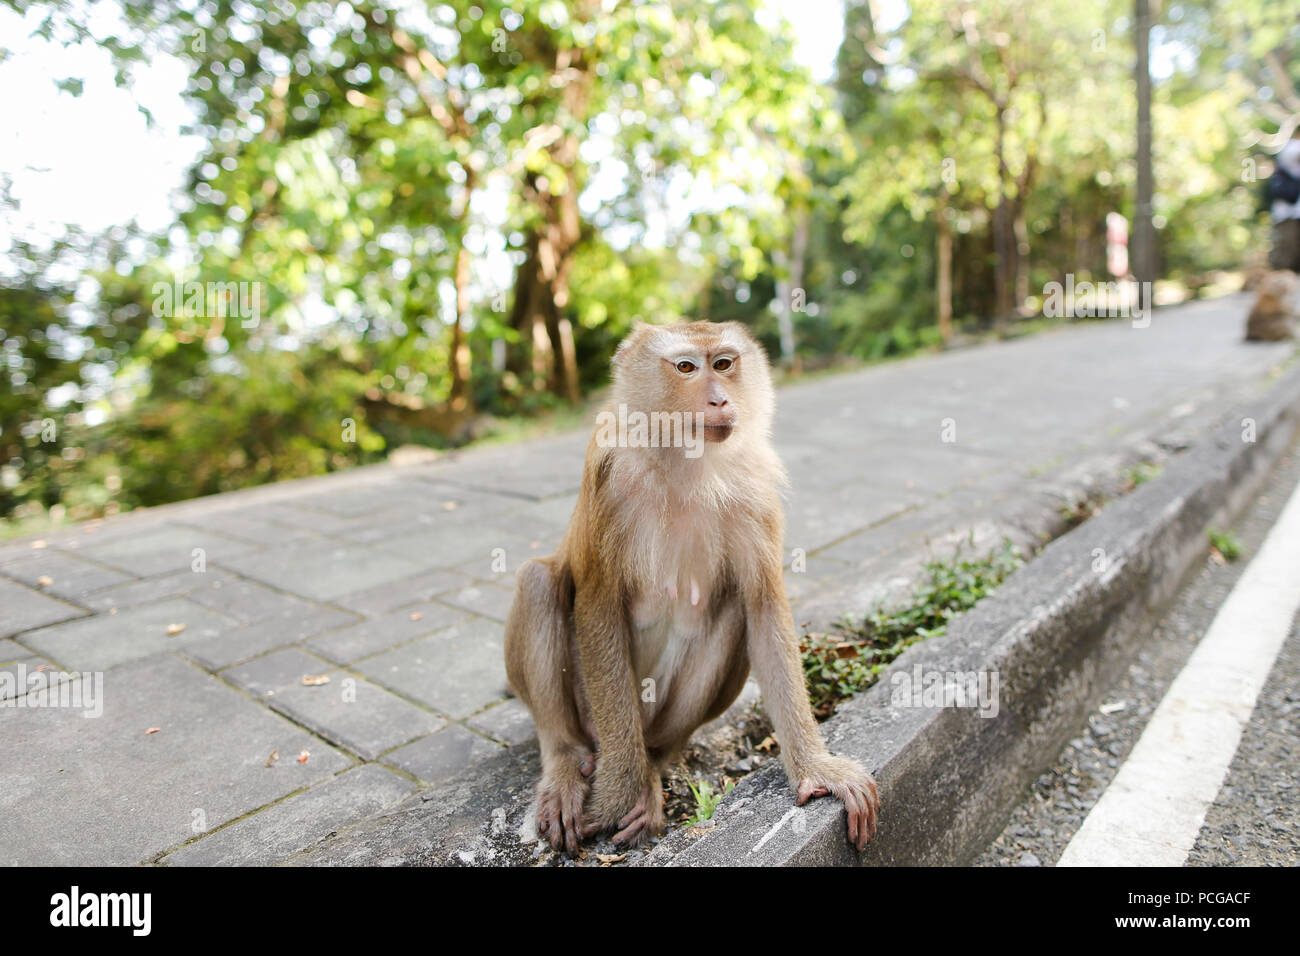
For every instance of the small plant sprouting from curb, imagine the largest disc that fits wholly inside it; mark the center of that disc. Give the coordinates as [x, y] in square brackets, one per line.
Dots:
[849, 660]
[706, 800]
[1224, 546]
[1140, 474]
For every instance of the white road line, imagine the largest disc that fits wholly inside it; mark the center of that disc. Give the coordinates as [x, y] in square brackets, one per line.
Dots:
[1154, 808]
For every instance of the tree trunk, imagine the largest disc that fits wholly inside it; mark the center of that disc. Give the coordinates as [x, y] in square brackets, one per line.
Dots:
[943, 285]
[460, 361]
[542, 283]
[1144, 239]
[1022, 256]
[1001, 232]
[785, 316]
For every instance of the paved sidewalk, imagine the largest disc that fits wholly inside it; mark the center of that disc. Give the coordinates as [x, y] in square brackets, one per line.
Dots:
[205, 617]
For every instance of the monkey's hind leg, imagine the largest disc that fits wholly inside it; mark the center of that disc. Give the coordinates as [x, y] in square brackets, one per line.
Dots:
[540, 663]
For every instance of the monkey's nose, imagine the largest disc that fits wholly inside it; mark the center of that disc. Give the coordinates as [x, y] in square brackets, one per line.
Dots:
[717, 402]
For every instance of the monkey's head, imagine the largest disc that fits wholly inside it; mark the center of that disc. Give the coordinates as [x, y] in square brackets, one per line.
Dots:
[714, 369]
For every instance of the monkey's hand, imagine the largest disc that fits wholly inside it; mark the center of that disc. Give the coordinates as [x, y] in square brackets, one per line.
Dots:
[848, 782]
[645, 819]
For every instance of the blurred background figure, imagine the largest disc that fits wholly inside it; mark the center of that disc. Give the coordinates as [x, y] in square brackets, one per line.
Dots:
[1284, 193]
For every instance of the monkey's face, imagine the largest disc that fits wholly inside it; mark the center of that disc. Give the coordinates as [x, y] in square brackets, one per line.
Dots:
[713, 376]
[703, 378]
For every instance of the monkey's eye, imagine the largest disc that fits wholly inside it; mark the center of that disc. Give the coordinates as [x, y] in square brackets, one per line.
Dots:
[722, 364]
[685, 366]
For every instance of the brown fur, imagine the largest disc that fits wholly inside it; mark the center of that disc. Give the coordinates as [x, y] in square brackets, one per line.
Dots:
[1271, 316]
[670, 572]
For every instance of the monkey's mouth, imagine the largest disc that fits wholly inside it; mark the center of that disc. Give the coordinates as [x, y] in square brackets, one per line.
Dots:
[718, 433]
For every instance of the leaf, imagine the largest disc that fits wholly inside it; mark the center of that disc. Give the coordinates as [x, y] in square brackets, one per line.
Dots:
[152, 730]
[315, 680]
[174, 629]
[44, 581]
[275, 755]
[303, 757]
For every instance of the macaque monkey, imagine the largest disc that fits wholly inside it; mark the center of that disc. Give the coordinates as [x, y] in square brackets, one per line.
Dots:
[1273, 312]
[665, 590]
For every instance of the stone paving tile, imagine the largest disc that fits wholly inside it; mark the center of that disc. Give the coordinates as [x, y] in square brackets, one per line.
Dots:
[102, 792]
[285, 828]
[359, 715]
[486, 600]
[25, 675]
[149, 590]
[62, 575]
[457, 671]
[348, 644]
[508, 721]
[106, 640]
[396, 594]
[250, 640]
[450, 550]
[308, 526]
[500, 562]
[247, 601]
[163, 549]
[22, 609]
[325, 574]
[442, 755]
[250, 528]
[265, 675]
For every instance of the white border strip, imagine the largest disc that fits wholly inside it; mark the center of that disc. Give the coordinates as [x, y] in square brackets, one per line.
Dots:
[1154, 808]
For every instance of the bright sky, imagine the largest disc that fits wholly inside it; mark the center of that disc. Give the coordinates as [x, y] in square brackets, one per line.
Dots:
[92, 160]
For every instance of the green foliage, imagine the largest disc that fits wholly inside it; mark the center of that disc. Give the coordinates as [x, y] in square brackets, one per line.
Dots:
[1226, 544]
[840, 664]
[706, 800]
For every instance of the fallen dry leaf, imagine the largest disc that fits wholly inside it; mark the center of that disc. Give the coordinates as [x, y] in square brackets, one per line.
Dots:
[606, 859]
[43, 667]
[450, 505]
[152, 730]
[275, 755]
[174, 629]
[766, 744]
[315, 680]
[303, 757]
[38, 544]
[45, 580]
[416, 615]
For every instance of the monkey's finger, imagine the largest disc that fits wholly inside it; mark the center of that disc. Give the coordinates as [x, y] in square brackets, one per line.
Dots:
[630, 833]
[636, 812]
[809, 791]
[854, 814]
[588, 765]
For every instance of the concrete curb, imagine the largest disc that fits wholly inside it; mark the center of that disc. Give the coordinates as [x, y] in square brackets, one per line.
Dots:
[1056, 635]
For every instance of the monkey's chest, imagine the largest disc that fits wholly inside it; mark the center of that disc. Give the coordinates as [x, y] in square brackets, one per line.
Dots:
[671, 609]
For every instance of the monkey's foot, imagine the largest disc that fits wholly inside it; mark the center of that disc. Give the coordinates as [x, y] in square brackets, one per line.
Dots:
[559, 813]
[643, 821]
[851, 785]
